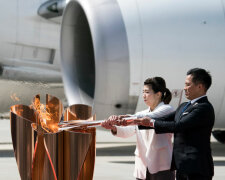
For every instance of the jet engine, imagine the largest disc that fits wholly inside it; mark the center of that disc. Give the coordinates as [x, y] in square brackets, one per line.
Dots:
[95, 56]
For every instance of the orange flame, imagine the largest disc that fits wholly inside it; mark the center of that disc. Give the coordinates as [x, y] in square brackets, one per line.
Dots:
[47, 121]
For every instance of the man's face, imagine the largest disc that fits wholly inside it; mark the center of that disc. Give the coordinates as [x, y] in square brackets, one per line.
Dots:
[191, 89]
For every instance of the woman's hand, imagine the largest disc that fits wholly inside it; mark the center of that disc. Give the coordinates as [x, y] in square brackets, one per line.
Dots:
[107, 124]
[113, 118]
[110, 122]
[116, 120]
[125, 122]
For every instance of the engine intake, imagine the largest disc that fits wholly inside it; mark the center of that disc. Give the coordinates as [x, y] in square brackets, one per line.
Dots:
[95, 56]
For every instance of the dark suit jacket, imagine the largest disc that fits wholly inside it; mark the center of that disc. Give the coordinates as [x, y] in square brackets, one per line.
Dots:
[192, 130]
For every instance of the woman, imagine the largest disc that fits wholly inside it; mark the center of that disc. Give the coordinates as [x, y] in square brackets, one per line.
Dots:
[153, 152]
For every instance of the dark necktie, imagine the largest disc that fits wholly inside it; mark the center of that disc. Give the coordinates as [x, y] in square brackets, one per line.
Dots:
[186, 106]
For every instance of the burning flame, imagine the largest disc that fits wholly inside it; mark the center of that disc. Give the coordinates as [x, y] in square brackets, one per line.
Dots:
[47, 119]
[48, 116]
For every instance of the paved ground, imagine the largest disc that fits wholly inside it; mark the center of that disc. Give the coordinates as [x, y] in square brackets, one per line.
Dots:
[114, 156]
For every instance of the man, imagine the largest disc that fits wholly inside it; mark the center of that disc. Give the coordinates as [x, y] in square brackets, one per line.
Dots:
[191, 124]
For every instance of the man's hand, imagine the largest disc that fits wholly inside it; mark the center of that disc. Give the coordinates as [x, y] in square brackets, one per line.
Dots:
[145, 121]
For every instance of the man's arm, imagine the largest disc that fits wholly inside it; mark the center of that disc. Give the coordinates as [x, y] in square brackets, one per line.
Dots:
[167, 118]
[200, 117]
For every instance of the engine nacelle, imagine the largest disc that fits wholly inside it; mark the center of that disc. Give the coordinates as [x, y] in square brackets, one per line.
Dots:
[95, 56]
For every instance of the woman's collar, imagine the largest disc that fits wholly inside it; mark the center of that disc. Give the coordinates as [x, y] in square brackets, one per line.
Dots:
[160, 104]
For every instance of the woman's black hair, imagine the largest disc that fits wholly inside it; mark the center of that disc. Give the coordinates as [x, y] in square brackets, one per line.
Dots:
[158, 84]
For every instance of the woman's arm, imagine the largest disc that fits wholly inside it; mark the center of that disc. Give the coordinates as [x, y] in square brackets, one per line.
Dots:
[159, 112]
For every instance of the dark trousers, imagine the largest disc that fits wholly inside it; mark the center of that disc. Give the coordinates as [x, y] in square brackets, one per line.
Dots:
[161, 175]
[181, 176]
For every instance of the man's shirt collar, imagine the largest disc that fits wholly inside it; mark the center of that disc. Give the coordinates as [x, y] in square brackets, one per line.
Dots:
[194, 100]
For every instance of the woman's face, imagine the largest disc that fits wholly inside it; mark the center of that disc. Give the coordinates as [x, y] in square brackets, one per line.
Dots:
[151, 98]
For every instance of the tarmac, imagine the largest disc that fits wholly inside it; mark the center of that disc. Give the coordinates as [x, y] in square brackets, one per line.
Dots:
[114, 156]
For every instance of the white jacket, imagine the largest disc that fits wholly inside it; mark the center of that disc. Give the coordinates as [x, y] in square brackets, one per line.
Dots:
[152, 150]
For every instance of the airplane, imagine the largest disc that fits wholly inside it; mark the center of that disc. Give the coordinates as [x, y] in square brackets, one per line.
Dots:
[107, 48]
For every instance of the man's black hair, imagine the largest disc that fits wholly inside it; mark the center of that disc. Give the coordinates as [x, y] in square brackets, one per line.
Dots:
[201, 76]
